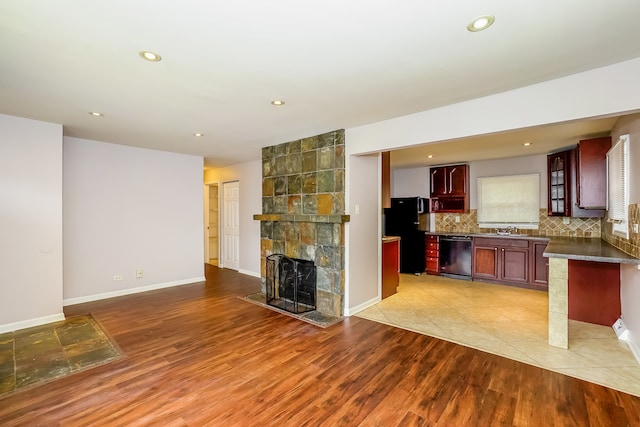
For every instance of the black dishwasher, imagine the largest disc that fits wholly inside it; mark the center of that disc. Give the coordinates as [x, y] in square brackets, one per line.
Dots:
[455, 257]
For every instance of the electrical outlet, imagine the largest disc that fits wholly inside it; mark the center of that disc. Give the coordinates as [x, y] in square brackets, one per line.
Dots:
[139, 273]
[566, 220]
[457, 218]
[635, 228]
[117, 277]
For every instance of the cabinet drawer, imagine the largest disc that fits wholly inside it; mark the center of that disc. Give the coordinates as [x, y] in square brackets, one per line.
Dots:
[432, 254]
[505, 242]
[432, 246]
[433, 264]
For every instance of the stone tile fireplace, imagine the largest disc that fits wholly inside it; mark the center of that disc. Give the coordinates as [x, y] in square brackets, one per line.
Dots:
[303, 211]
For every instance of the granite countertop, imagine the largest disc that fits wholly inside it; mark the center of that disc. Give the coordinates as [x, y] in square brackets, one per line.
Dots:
[387, 239]
[587, 249]
[505, 236]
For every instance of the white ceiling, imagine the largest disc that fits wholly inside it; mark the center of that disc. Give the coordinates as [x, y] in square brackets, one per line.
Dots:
[336, 63]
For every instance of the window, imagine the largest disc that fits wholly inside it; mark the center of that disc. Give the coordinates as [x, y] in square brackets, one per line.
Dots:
[505, 201]
[618, 186]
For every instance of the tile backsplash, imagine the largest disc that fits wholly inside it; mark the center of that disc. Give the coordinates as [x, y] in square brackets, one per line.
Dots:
[630, 245]
[549, 226]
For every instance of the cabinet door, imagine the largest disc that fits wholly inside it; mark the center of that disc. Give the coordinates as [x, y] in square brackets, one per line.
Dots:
[457, 180]
[514, 264]
[390, 268]
[540, 264]
[591, 168]
[438, 181]
[485, 262]
[559, 198]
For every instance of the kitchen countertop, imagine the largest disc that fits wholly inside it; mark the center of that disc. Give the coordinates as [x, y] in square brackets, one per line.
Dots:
[505, 236]
[387, 239]
[587, 249]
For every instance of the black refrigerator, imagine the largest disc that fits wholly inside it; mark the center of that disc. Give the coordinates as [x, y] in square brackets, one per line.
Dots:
[408, 218]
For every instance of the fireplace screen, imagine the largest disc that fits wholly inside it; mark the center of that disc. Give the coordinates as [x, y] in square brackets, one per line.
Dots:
[291, 283]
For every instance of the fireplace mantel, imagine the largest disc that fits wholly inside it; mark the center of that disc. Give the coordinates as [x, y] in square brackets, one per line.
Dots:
[330, 219]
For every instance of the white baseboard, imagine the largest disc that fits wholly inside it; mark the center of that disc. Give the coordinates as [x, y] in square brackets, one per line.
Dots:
[360, 307]
[633, 345]
[10, 327]
[249, 273]
[122, 292]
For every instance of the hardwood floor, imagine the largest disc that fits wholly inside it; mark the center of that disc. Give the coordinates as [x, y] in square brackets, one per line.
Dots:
[198, 355]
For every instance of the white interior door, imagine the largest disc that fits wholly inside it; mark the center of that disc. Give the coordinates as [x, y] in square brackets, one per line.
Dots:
[231, 229]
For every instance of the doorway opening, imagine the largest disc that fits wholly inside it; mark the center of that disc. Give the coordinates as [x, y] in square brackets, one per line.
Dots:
[213, 225]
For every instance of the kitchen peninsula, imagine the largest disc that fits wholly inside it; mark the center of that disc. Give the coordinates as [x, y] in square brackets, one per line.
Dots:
[575, 267]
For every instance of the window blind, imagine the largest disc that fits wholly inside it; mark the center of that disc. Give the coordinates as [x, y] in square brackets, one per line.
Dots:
[509, 200]
[618, 185]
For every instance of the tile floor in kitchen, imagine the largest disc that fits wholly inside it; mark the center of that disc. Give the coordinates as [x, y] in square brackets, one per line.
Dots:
[507, 321]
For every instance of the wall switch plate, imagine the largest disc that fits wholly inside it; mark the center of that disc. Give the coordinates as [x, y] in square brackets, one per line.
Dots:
[635, 228]
[139, 273]
[117, 277]
[457, 218]
[566, 220]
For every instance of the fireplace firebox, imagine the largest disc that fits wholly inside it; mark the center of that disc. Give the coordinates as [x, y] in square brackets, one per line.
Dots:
[290, 283]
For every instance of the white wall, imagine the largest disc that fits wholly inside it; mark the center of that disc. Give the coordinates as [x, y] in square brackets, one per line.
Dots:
[30, 223]
[604, 91]
[127, 208]
[410, 182]
[363, 232]
[629, 274]
[249, 175]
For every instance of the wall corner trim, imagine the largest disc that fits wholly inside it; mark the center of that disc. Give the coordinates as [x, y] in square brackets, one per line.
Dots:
[9, 327]
[354, 310]
[122, 292]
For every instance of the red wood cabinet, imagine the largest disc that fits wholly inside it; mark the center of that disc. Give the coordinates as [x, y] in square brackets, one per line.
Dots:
[501, 259]
[510, 261]
[390, 267]
[577, 180]
[432, 254]
[594, 292]
[539, 265]
[449, 188]
[591, 169]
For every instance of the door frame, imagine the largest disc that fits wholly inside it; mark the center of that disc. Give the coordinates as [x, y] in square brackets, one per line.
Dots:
[206, 219]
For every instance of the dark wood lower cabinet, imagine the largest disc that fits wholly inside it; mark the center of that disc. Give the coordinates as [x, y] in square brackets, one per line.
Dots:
[539, 265]
[432, 254]
[516, 262]
[390, 267]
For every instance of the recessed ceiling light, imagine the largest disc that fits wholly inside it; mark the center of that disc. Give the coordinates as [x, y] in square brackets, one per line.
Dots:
[526, 144]
[481, 23]
[277, 102]
[198, 134]
[96, 114]
[149, 56]
[430, 156]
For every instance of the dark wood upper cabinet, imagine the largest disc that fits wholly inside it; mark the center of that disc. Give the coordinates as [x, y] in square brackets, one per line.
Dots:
[591, 170]
[563, 184]
[449, 188]
[559, 188]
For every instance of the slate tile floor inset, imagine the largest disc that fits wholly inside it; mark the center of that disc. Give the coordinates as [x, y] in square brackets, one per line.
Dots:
[510, 322]
[42, 353]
